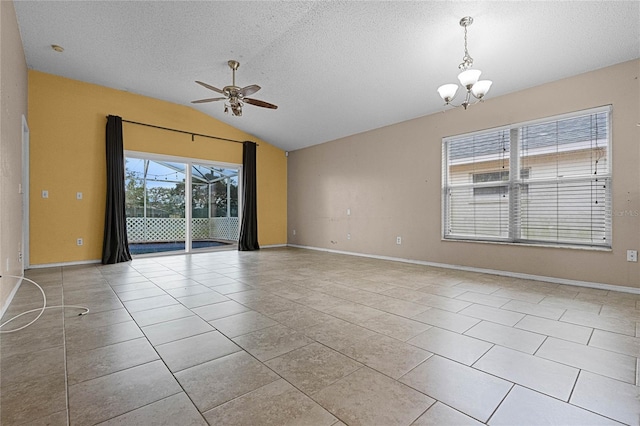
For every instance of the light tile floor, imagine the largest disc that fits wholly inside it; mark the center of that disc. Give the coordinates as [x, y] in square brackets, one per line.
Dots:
[291, 336]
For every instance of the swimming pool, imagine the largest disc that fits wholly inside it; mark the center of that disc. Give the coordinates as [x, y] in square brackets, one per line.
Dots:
[143, 248]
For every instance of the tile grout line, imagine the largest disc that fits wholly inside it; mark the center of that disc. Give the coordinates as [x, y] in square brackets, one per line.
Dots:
[435, 401]
[285, 379]
[159, 359]
[64, 346]
[573, 388]
[542, 344]
[585, 408]
[513, 386]
[593, 330]
[137, 408]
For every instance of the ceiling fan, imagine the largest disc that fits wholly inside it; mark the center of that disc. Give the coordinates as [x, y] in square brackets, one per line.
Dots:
[234, 96]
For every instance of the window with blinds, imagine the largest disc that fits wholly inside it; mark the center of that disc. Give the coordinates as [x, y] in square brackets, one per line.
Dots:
[545, 182]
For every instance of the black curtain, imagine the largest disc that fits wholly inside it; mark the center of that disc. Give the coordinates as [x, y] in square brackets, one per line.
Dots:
[249, 229]
[115, 247]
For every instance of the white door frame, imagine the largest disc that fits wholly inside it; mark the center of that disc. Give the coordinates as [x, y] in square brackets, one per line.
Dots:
[25, 194]
[189, 162]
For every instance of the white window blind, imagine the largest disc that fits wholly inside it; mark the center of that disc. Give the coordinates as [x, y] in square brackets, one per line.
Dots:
[545, 182]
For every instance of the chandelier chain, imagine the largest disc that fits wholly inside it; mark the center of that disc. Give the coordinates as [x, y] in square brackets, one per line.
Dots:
[467, 60]
[466, 51]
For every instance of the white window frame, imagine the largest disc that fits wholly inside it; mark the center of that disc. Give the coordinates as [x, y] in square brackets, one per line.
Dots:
[514, 182]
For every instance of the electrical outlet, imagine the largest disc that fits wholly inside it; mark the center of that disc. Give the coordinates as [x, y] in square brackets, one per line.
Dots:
[398, 240]
[20, 256]
[348, 212]
[348, 236]
[79, 241]
[78, 195]
[632, 255]
[294, 232]
[45, 193]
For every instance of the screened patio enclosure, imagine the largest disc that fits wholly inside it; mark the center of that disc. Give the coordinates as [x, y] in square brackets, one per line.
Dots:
[157, 194]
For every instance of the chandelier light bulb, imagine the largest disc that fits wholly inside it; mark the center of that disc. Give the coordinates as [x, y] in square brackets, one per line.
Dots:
[468, 78]
[448, 92]
[481, 88]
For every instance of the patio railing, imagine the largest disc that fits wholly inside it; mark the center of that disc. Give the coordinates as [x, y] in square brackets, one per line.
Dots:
[165, 229]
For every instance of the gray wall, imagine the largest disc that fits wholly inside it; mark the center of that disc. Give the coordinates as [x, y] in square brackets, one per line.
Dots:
[390, 179]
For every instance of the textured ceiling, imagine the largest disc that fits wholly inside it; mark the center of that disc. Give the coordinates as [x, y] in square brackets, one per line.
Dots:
[334, 68]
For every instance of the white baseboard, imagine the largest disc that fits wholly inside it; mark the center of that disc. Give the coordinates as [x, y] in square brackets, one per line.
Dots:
[555, 280]
[56, 265]
[6, 304]
[274, 246]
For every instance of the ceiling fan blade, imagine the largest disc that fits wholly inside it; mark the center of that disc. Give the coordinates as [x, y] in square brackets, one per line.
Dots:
[202, 101]
[210, 87]
[259, 103]
[249, 90]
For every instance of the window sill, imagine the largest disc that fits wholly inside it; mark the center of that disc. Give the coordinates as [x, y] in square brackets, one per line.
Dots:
[512, 244]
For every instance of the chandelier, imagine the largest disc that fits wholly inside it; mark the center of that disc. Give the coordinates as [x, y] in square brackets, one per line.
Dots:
[468, 77]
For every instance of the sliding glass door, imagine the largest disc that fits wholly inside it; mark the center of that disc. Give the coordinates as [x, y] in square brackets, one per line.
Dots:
[214, 205]
[159, 188]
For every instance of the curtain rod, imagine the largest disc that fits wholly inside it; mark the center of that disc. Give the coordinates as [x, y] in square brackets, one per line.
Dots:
[183, 131]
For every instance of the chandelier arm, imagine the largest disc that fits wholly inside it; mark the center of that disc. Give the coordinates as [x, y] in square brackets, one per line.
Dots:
[468, 101]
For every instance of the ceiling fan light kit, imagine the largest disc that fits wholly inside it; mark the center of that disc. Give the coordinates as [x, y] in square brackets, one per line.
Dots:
[469, 78]
[234, 96]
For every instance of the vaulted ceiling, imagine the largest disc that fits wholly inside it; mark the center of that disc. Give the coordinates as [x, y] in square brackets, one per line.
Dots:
[334, 68]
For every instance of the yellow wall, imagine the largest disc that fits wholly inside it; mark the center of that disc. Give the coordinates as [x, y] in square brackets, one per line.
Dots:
[67, 121]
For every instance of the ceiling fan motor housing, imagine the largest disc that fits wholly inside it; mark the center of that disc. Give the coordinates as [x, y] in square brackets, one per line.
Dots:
[234, 95]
